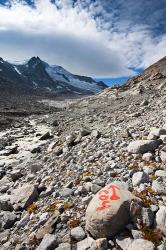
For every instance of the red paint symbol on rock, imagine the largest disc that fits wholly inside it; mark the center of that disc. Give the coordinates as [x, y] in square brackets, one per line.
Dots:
[104, 197]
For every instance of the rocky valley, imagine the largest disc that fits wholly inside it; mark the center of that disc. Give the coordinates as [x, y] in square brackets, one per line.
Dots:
[89, 173]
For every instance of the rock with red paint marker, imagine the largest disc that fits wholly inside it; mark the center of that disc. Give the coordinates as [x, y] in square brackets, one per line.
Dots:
[109, 211]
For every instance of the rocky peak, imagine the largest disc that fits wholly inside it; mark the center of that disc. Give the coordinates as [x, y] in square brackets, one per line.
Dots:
[34, 61]
[1, 59]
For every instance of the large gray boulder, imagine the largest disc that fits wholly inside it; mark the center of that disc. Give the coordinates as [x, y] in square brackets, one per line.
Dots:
[109, 211]
[24, 195]
[142, 146]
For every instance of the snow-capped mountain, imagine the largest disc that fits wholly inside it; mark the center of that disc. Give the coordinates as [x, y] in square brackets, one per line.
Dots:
[38, 75]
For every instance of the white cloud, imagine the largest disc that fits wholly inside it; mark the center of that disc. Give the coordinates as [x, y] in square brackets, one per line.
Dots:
[85, 38]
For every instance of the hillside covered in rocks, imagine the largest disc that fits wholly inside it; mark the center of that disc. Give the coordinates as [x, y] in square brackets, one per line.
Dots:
[91, 175]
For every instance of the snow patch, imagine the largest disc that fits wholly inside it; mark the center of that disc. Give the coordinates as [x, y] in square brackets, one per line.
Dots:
[35, 85]
[15, 68]
[49, 89]
[58, 73]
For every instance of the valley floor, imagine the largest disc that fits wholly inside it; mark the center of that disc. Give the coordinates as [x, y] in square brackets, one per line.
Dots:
[53, 164]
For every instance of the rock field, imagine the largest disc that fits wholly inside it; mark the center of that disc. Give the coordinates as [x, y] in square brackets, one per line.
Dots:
[89, 176]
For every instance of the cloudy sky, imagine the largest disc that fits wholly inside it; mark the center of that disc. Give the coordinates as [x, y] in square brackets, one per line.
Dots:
[99, 38]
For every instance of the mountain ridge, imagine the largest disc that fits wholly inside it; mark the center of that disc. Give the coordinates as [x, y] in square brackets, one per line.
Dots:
[38, 75]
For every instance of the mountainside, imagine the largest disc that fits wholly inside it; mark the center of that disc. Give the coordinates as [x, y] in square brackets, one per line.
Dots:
[36, 76]
[90, 175]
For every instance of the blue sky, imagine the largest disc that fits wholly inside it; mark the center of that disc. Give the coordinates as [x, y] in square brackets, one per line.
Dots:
[100, 38]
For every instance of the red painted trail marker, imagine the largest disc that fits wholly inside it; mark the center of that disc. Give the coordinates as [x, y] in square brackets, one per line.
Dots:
[105, 198]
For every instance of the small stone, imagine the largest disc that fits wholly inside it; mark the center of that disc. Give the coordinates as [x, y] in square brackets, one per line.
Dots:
[86, 200]
[85, 244]
[124, 242]
[163, 156]
[163, 138]
[158, 131]
[161, 220]
[15, 175]
[66, 192]
[137, 234]
[2, 164]
[159, 186]
[48, 227]
[23, 222]
[24, 195]
[162, 247]
[141, 216]
[35, 168]
[147, 217]
[48, 242]
[95, 134]
[160, 173]
[78, 233]
[64, 246]
[70, 140]
[140, 244]
[147, 157]
[139, 177]
[148, 170]
[101, 244]
[5, 204]
[95, 188]
[8, 219]
[45, 136]
[142, 146]
[35, 149]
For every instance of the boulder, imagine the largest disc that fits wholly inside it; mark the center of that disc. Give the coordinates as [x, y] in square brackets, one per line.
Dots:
[24, 196]
[109, 211]
[142, 146]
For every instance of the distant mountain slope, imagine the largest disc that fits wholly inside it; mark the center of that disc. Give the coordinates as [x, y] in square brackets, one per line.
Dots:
[37, 75]
[153, 77]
